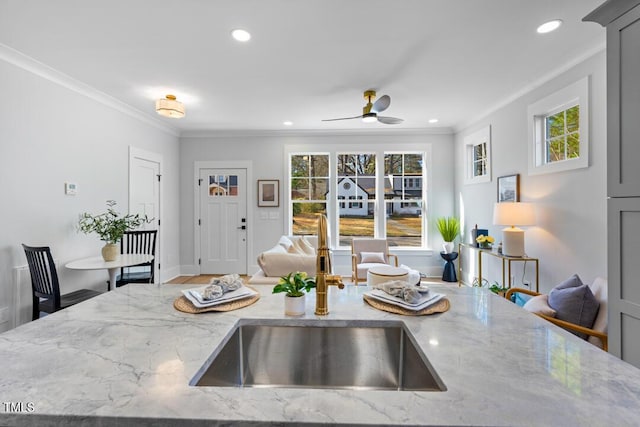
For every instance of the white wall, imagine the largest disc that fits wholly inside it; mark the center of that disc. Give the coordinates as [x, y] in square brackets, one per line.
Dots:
[50, 134]
[570, 236]
[266, 153]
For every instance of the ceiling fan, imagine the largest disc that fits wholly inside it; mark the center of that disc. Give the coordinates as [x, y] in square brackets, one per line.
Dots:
[370, 111]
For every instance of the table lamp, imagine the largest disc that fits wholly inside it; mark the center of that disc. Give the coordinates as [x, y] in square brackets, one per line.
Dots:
[513, 214]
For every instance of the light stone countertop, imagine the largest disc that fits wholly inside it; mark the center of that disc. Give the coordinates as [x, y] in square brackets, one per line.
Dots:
[127, 356]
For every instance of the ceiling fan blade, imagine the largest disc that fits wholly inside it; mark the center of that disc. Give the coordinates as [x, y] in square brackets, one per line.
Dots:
[343, 118]
[389, 120]
[381, 104]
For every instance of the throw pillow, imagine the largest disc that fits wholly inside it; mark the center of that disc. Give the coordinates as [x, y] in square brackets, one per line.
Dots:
[285, 242]
[306, 246]
[539, 305]
[372, 258]
[574, 302]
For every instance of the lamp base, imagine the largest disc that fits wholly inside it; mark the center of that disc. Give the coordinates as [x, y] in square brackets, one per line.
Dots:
[513, 242]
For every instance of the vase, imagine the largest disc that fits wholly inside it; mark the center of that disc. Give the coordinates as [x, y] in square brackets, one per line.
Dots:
[294, 306]
[447, 247]
[110, 251]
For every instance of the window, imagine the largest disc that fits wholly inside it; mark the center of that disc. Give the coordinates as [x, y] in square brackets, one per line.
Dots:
[478, 156]
[558, 129]
[403, 201]
[356, 174]
[364, 194]
[309, 185]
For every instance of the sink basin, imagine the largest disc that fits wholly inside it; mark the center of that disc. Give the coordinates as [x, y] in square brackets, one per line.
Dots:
[380, 355]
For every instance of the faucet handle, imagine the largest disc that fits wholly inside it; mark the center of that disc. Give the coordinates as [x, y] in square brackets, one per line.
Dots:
[335, 280]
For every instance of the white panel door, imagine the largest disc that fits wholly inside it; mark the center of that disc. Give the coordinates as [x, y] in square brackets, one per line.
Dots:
[223, 221]
[144, 197]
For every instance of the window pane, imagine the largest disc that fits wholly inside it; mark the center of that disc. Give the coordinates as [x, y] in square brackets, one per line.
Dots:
[404, 223]
[392, 164]
[319, 165]
[356, 220]
[573, 119]
[573, 145]
[300, 165]
[305, 217]
[555, 150]
[413, 164]
[555, 125]
[319, 188]
[299, 189]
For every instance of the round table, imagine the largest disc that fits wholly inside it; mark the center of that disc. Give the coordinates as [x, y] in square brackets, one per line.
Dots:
[449, 273]
[98, 263]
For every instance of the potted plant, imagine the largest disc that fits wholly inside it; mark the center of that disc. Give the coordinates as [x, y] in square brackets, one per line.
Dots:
[485, 242]
[294, 285]
[449, 227]
[110, 226]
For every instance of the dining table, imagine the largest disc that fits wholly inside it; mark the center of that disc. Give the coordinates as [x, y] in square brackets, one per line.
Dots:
[98, 263]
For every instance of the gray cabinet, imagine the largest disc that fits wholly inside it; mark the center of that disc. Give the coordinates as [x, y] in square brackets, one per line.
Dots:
[622, 20]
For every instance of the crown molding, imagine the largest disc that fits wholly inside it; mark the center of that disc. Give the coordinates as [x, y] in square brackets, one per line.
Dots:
[533, 85]
[27, 63]
[232, 133]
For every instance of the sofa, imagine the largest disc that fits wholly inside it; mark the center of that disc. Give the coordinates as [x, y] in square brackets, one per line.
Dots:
[290, 254]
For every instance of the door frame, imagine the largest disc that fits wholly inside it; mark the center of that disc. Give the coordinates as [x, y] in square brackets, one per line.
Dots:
[155, 158]
[216, 164]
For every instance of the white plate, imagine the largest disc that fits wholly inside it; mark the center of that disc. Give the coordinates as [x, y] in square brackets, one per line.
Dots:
[195, 296]
[424, 302]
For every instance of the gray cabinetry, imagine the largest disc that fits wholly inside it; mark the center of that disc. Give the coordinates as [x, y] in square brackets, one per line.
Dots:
[623, 130]
[622, 20]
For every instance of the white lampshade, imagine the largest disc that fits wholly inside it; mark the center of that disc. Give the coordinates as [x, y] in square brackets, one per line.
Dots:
[513, 214]
[170, 107]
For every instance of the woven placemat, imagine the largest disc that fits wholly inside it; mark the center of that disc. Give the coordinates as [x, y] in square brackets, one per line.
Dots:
[439, 307]
[183, 304]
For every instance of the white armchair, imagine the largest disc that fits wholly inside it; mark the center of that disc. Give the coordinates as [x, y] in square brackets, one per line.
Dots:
[367, 253]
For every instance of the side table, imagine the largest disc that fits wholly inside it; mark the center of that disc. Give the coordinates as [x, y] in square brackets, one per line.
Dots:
[449, 273]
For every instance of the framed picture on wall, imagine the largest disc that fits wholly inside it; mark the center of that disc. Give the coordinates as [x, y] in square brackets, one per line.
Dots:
[268, 193]
[509, 188]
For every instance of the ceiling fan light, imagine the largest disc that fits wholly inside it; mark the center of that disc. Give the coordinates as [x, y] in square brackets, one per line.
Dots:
[369, 118]
[170, 107]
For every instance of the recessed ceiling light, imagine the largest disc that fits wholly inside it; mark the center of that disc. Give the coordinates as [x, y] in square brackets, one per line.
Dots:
[287, 123]
[547, 27]
[241, 35]
[433, 120]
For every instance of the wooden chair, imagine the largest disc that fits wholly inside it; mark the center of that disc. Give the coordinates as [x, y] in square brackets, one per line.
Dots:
[45, 286]
[597, 335]
[378, 247]
[138, 242]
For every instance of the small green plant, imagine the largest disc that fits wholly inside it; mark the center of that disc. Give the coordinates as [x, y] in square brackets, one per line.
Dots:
[110, 226]
[449, 227]
[294, 283]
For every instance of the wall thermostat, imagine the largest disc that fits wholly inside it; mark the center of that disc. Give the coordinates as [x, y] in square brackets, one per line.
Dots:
[70, 188]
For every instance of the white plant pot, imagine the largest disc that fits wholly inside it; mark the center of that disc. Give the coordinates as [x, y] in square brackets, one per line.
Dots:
[294, 306]
[447, 247]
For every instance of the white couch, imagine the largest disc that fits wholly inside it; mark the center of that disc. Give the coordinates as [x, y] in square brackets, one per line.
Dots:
[290, 254]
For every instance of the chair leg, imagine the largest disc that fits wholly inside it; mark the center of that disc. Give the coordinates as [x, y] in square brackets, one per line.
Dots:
[35, 313]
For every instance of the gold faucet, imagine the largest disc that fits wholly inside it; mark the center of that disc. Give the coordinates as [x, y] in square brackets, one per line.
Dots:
[323, 269]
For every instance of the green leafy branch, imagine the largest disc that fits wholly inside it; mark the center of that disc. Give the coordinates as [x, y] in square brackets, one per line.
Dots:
[110, 226]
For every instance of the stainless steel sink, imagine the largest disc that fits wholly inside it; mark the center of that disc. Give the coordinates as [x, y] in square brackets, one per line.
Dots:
[319, 354]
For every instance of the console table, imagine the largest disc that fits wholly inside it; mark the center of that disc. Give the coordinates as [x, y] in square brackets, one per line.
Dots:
[506, 262]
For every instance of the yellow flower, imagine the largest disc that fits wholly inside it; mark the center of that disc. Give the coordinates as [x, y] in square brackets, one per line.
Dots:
[490, 239]
[485, 239]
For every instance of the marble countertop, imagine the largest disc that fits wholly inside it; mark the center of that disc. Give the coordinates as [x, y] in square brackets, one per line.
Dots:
[127, 356]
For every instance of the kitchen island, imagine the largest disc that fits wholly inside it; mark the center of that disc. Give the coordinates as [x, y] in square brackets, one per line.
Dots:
[126, 358]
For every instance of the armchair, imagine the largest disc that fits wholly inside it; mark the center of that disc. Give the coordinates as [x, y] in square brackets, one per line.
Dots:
[367, 253]
[597, 333]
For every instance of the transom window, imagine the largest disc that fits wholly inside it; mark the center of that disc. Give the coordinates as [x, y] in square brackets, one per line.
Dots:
[562, 135]
[559, 130]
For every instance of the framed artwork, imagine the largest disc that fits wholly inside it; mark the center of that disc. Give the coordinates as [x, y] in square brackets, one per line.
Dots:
[268, 193]
[509, 188]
